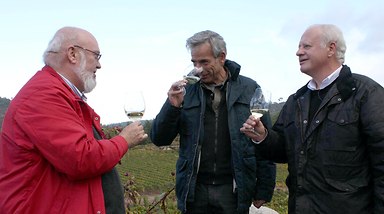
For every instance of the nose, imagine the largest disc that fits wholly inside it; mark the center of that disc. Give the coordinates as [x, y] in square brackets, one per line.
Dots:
[98, 65]
[299, 52]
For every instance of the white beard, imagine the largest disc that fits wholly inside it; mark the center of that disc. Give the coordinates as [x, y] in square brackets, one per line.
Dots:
[88, 78]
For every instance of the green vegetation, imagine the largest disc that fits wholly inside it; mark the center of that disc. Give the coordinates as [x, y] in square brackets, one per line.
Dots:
[4, 103]
[152, 170]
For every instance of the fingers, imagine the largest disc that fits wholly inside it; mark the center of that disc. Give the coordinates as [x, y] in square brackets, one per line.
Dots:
[250, 132]
[140, 132]
[253, 128]
[176, 93]
[177, 87]
[145, 136]
[251, 123]
[134, 134]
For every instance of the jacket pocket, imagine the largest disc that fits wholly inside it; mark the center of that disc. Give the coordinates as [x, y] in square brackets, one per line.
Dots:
[340, 156]
[190, 117]
[351, 185]
[341, 128]
[345, 169]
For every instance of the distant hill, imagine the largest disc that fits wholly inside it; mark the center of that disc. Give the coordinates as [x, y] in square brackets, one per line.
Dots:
[4, 103]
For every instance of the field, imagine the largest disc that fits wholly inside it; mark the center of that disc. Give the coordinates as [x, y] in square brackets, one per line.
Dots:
[151, 171]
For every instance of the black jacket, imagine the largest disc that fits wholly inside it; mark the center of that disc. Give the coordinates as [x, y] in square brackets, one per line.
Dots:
[335, 162]
[255, 178]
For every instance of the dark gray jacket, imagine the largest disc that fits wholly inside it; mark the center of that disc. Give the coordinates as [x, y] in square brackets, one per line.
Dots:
[335, 162]
[255, 178]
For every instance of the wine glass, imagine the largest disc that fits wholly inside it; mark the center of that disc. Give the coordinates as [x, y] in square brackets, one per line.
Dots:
[134, 105]
[192, 74]
[259, 104]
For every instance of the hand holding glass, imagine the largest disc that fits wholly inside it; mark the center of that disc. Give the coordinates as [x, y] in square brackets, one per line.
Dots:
[192, 76]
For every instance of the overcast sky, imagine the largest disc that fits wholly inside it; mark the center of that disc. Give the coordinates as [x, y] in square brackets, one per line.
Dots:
[143, 42]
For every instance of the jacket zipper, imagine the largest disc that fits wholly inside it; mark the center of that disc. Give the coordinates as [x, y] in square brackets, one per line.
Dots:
[197, 149]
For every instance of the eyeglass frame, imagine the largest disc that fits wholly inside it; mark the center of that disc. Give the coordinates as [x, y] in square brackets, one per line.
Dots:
[98, 55]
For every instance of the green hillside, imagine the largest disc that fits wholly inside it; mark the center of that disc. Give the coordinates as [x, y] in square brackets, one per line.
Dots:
[4, 103]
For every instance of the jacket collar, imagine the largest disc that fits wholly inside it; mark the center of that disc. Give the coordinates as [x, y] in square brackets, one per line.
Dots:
[344, 83]
[233, 68]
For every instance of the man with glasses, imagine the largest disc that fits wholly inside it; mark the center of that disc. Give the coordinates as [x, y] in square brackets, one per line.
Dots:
[53, 155]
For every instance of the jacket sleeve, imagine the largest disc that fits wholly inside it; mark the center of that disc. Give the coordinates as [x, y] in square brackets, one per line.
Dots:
[266, 171]
[266, 179]
[273, 147]
[51, 121]
[372, 120]
[165, 126]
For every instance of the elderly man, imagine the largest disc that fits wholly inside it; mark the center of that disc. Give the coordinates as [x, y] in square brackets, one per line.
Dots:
[330, 132]
[53, 158]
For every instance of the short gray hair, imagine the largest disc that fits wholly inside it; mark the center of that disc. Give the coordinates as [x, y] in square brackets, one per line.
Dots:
[214, 39]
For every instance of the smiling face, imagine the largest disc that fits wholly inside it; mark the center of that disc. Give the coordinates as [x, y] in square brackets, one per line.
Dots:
[213, 67]
[312, 53]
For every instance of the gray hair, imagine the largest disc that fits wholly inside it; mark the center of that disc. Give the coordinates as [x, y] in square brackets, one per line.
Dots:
[61, 38]
[331, 33]
[214, 39]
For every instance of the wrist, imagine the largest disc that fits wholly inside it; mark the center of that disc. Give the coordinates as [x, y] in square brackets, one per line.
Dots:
[259, 139]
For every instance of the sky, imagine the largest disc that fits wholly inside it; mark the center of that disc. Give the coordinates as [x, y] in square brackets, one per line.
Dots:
[143, 42]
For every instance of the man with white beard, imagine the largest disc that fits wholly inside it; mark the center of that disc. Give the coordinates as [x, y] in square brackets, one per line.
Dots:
[53, 155]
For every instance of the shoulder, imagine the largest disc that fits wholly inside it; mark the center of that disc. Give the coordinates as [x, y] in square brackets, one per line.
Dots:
[364, 80]
[247, 81]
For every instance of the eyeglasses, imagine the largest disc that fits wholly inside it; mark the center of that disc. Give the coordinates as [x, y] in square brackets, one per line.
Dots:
[98, 55]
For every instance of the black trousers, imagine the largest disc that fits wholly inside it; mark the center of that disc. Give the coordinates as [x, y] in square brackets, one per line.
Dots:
[212, 199]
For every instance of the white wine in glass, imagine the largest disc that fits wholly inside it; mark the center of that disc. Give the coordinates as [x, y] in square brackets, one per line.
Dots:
[192, 74]
[259, 104]
[134, 105]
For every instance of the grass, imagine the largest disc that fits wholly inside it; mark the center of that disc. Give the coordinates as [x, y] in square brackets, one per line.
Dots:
[153, 169]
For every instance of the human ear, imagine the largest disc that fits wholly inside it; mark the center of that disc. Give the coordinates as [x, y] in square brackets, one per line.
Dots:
[222, 57]
[331, 49]
[71, 54]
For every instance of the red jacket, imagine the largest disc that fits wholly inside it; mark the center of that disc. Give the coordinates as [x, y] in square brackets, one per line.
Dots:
[50, 161]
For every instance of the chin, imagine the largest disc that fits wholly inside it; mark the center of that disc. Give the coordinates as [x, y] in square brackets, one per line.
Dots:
[90, 85]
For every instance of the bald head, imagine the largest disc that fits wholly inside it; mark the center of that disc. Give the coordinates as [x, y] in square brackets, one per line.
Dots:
[74, 53]
[64, 38]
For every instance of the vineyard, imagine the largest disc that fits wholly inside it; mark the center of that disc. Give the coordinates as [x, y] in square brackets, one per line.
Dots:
[151, 167]
[152, 170]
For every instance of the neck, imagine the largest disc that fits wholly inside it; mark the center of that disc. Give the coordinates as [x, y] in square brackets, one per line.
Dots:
[221, 77]
[320, 75]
